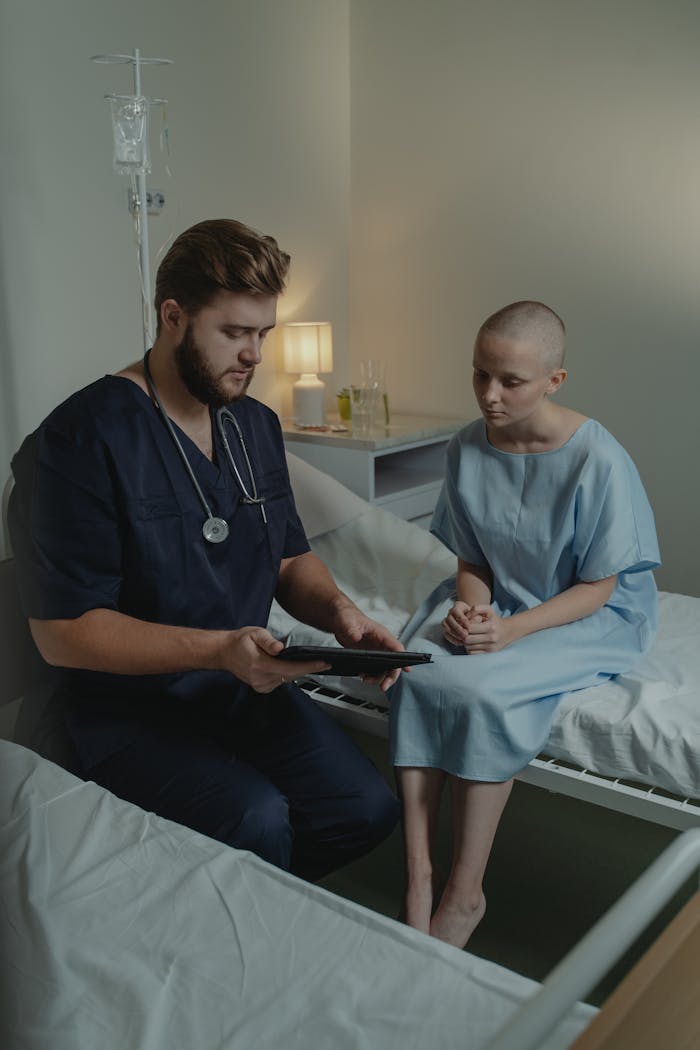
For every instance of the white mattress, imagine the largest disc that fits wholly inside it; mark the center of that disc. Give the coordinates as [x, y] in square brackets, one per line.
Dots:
[119, 929]
[643, 726]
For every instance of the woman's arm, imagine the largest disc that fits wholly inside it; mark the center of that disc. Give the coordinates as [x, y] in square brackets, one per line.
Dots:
[489, 632]
[473, 583]
[473, 590]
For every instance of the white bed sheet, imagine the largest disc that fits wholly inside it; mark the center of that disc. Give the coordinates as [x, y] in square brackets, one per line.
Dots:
[119, 929]
[643, 726]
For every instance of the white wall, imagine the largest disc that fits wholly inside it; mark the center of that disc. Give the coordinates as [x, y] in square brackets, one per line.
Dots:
[544, 149]
[425, 163]
[259, 130]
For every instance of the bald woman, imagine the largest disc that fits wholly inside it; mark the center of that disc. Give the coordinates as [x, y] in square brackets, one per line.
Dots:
[555, 545]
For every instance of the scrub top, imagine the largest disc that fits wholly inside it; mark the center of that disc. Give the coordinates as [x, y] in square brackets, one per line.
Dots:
[104, 515]
[540, 522]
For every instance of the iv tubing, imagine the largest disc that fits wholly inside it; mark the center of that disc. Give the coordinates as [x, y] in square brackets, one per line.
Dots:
[141, 204]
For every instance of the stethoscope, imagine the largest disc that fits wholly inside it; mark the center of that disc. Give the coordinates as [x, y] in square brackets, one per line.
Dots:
[214, 530]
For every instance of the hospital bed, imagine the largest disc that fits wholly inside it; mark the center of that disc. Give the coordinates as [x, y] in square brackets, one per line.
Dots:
[122, 929]
[631, 744]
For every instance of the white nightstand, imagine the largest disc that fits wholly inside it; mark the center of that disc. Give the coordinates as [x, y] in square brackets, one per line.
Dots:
[399, 466]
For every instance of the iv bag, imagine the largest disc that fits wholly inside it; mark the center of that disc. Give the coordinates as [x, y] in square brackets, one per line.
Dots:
[130, 130]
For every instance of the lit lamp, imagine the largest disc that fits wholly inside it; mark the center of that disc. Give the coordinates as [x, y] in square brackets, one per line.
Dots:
[308, 349]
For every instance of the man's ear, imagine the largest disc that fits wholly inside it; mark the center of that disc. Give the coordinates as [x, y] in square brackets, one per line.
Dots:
[172, 316]
[555, 380]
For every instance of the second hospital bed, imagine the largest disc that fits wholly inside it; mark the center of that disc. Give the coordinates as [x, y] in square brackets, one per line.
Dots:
[121, 929]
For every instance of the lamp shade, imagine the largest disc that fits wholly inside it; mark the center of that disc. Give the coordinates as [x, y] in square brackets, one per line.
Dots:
[308, 346]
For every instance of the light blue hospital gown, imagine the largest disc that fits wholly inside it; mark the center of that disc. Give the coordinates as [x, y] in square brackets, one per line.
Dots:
[540, 522]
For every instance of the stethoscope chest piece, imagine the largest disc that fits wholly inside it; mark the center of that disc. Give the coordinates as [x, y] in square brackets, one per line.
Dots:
[215, 530]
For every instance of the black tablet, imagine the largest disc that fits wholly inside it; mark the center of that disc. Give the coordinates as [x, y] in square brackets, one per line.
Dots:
[354, 661]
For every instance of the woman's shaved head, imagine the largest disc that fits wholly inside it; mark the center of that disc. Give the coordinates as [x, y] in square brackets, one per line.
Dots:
[532, 322]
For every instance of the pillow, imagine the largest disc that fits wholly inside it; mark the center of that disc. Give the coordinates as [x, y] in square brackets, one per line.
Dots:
[322, 502]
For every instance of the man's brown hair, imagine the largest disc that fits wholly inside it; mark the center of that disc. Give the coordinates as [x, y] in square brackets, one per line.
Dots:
[219, 255]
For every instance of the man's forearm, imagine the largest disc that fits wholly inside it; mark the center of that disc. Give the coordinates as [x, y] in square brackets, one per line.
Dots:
[308, 592]
[106, 640]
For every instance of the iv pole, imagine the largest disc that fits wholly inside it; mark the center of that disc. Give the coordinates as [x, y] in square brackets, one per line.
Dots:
[139, 201]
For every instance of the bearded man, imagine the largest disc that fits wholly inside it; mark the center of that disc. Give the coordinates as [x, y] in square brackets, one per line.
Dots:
[153, 522]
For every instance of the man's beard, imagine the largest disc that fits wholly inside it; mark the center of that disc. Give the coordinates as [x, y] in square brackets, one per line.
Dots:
[198, 379]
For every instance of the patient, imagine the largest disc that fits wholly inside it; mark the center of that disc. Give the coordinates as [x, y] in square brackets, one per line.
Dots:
[554, 591]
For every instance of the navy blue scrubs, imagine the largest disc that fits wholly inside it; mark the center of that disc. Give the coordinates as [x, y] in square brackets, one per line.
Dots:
[104, 515]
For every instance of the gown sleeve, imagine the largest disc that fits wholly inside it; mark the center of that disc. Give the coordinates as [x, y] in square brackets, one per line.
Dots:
[615, 531]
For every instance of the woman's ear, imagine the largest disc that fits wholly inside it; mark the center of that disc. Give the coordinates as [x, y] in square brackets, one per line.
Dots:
[555, 380]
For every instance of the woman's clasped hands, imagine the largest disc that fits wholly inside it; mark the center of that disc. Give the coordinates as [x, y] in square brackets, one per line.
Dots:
[478, 628]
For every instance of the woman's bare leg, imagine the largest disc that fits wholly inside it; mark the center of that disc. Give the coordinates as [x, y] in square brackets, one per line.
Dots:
[476, 811]
[420, 791]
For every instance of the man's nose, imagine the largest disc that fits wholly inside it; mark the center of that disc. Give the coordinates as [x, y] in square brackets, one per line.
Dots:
[251, 351]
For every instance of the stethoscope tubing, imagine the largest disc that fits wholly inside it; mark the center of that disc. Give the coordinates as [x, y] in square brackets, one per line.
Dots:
[222, 415]
[214, 529]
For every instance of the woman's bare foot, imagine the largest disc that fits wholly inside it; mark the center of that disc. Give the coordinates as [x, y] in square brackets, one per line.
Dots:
[455, 919]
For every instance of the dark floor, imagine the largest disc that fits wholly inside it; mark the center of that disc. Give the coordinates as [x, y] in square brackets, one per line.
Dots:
[557, 865]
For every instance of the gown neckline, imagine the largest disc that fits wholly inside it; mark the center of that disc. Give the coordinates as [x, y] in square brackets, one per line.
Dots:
[544, 452]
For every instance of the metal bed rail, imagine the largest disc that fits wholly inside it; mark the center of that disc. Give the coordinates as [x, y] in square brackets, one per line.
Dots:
[563, 778]
[602, 946]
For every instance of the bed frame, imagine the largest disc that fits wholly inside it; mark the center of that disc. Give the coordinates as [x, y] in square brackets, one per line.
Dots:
[656, 1005]
[563, 778]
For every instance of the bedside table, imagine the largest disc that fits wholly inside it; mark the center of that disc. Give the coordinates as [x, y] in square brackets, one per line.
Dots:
[399, 467]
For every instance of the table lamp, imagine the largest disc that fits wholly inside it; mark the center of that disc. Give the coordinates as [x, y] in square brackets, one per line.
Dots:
[308, 349]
